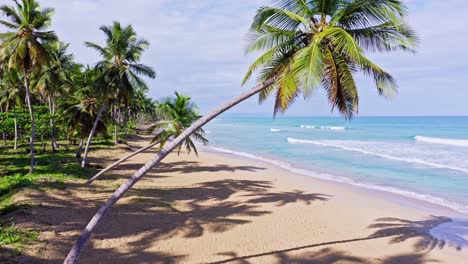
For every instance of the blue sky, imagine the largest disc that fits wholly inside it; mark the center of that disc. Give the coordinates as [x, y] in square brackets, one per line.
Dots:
[197, 47]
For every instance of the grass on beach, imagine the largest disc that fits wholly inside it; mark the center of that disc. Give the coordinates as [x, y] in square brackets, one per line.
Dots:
[52, 170]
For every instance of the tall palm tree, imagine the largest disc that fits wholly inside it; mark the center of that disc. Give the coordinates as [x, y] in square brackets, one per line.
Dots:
[54, 79]
[121, 68]
[178, 114]
[309, 44]
[23, 47]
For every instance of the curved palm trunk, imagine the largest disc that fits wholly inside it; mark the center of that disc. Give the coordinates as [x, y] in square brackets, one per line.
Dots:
[16, 130]
[33, 120]
[120, 161]
[74, 253]
[91, 134]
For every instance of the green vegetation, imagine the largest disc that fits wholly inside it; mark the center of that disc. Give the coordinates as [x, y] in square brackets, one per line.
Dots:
[52, 170]
[13, 235]
[66, 100]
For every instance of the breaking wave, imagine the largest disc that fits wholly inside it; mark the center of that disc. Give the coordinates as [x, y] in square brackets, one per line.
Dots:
[443, 141]
[338, 128]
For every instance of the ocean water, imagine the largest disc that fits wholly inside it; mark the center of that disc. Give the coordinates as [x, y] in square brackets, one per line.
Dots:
[425, 158]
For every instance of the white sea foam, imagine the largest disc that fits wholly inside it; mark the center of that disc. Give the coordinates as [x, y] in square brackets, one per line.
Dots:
[443, 141]
[275, 130]
[337, 128]
[463, 208]
[407, 159]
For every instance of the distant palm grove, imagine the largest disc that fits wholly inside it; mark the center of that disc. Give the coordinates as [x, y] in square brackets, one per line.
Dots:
[51, 104]
[46, 96]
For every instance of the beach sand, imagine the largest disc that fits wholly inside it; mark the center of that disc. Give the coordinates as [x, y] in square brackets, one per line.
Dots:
[224, 209]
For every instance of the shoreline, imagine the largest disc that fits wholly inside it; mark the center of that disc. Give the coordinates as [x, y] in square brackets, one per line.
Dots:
[395, 195]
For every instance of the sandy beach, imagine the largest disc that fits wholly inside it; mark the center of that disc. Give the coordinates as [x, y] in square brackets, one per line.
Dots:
[221, 209]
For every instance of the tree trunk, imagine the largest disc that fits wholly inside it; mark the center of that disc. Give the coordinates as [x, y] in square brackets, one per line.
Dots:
[80, 146]
[120, 161]
[33, 120]
[91, 134]
[43, 144]
[74, 253]
[16, 131]
[116, 126]
[116, 134]
[3, 132]
[52, 124]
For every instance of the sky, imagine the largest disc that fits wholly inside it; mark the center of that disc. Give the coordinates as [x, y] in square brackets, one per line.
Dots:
[198, 48]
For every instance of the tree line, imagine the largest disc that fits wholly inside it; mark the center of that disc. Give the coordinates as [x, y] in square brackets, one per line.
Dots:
[45, 94]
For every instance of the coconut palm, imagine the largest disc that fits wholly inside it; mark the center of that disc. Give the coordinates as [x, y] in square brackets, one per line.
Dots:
[120, 68]
[54, 79]
[12, 94]
[178, 114]
[23, 49]
[307, 44]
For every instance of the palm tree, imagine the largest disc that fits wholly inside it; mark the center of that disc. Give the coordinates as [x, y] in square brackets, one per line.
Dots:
[12, 97]
[54, 79]
[178, 114]
[23, 47]
[120, 69]
[309, 44]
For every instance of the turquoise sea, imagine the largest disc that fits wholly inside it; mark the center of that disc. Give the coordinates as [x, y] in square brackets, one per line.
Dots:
[425, 158]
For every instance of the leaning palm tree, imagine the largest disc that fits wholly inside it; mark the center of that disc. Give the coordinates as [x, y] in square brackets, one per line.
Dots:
[23, 49]
[307, 45]
[177, 115]
[120, 68]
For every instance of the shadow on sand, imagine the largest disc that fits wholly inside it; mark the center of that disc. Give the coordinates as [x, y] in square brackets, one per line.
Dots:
[398, 230]
[145, 216]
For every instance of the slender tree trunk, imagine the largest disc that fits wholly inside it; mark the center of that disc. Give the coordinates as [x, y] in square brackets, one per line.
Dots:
[80, 146]
[116, 134]
[3, 132]
[43, 144]
[91, 134]
[33, 120]
[121, 160]
[16, 131]
[74, 253]
[116, 126]
[52, 124]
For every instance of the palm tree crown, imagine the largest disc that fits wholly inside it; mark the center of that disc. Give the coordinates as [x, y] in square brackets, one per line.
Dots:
[121, 61]
[313, 43]
[178, 114]
[23, 46]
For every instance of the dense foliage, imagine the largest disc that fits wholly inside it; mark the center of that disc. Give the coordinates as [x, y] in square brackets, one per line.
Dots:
[46, 96]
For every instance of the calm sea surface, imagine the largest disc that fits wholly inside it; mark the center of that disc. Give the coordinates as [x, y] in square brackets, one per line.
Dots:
[421, 157]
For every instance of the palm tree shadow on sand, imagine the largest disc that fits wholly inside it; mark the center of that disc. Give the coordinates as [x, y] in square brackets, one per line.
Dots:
[398, 230]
